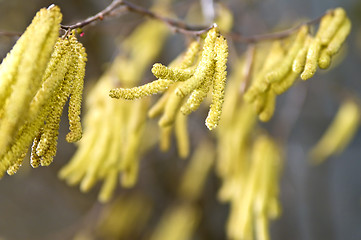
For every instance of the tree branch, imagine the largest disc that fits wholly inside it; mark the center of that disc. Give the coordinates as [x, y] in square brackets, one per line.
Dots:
[273, 36]
[174, 24]
[99, 16]
[10, 34]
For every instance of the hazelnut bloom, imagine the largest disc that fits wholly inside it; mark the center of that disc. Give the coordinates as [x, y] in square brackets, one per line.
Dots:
[33, 93]
[187, 79]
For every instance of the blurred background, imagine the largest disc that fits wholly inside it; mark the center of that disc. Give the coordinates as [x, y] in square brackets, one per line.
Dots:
[322, 202]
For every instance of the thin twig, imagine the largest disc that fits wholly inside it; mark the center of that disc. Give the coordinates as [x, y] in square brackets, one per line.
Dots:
[10, 34]
[251, 51]
[174, 24]
[273, 36]
[99, 16]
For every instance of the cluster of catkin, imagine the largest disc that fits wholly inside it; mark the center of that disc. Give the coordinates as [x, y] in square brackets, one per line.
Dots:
[300, 56]
[114, 130]
[256, 201]
[194, 78]
[181, 219]
[249, 165]
[110, 145]
[129, 214]
[36, 78]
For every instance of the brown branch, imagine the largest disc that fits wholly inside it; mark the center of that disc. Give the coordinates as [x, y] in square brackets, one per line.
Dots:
[174, 24]
[99, 16]
[273, 36]
[251, 51]
[10, 34]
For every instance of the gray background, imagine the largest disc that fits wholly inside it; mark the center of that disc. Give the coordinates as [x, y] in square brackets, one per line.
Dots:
[320, 202]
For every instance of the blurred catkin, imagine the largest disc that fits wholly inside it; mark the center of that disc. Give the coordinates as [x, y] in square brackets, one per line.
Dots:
[339, 133]
[114, 130]
[285, 62]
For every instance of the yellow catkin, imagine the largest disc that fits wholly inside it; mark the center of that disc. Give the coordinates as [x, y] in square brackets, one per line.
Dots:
[269, 108]
[190, 55]
[311, 59]
[234, 136]
[300, 59]
[262, 228]
[76, 94]
[177, 223]
[129, 175]
[281, 71]
[324, 60]
[48, 157]
[224, 19]
[195, 175]
[198, 95]
[158, 107]
[43, 32]
[165, 135]
[34, 158]
[10, 66]
[170, 111]
[72, 83]
[102, 120]
[219, 83]
[339, 133]
[53, 76]
[180, 70]
[285, 84]
[130, 159]
[141, 48]
[324, 23]
[175, 74]
[40, 107]
[251, 94]
[334, 44]
[138, 51]
[340, 36]
[111, 129]
[261, 188]
[16, 165]
[338, 16]
[99, 153]
[24, 138]
[110, 168]
[181, 135]
[154, 87]
[203, 67]
[51, 127]
[62, 70]
[107, 189]
[75, 170]
[259, 83]
[123, 217]
[260, 102]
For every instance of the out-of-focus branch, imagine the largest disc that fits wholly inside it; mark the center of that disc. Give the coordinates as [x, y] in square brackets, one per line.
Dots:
[10, 34]
[237, 37]
[99, 16]
[251, 50]
[174, 24]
